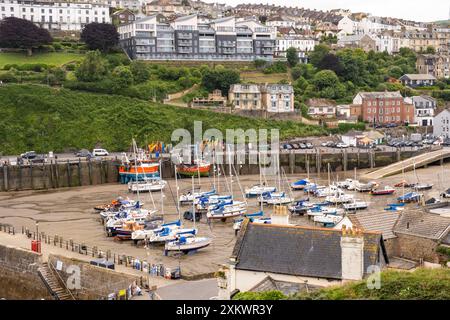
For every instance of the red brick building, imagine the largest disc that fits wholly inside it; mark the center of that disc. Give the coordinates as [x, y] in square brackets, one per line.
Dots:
[384, 107]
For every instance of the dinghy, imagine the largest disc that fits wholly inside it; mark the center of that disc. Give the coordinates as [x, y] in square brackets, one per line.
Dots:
[422, 186]
[355, 205]
[409, 197]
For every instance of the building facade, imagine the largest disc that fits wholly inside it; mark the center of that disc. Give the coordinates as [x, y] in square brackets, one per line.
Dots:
[437, 65]
[274, 98]
[418, 80]
[441, 124]
[424, 107]
[66, 16]
[302, 44]
[384, 108]
[187, 39]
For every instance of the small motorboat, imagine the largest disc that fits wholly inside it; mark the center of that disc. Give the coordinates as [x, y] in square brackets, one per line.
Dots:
[403, 184]
[355, 205]
[328, 191]
[409, 197]
[394, 208]
[432, 201]
[258, 190]
[300, 184]
[275, 198]
[147, 233]
[422, 186]
[365, 187]
[383, 192]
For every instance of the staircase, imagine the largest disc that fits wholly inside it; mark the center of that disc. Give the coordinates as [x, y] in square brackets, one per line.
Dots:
[53, 285]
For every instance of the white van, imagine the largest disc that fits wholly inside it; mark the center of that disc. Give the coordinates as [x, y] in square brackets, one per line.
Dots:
[99, 152]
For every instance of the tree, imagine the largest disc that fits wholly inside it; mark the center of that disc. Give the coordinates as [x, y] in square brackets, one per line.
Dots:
[92, 68]
[23, 34]
[263, 19]
[220, 79]
[296, 72]
[100, 36]
[317, 55]
[292, 57]
[430, 50]
[325, 78]
[330, 62]
[122, 77]
[140, 71]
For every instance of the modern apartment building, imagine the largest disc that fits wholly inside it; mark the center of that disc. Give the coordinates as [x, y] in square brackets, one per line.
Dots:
[66, 16]
[384, 107]
[186, 38]
[274, 98]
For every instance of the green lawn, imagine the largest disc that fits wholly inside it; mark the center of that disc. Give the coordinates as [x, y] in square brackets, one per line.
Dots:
[260, 77]
[52, 58]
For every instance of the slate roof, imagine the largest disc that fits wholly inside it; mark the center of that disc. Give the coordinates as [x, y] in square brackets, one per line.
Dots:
[423, 224]
[418, 76]
[378, 221]
[380, 95]
[298, 251]
[269, 284]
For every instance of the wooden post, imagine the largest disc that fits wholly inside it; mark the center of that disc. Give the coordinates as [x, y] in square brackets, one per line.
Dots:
[101, 171]
[56, 174]
[20, 177]
[291, 162]
[5, 178]
[80, 180]
[90, 169]
[69, 179]
[31, 174]
[52, 180]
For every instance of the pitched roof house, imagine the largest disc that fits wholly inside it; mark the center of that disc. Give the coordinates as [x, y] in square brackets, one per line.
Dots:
[297, 254]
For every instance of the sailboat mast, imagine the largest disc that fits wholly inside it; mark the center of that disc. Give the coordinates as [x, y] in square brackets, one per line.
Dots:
[260, 178]
[193, 202]
[178, 197]
[231, 174]
[136, 169]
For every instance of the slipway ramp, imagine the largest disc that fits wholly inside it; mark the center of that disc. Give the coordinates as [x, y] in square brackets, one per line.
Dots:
[408, 164]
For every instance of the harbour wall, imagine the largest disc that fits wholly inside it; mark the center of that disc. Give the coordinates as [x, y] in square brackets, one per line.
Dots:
[19, 277]
[62, 174]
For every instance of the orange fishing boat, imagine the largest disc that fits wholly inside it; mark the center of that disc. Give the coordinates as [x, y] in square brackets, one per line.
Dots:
[200, 167]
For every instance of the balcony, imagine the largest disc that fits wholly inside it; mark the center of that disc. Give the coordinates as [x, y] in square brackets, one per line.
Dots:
[184, 35]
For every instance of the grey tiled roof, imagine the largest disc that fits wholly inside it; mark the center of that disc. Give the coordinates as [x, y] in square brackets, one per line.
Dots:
[378, 221]
[269, 284]
[423, 224]
[299, 251]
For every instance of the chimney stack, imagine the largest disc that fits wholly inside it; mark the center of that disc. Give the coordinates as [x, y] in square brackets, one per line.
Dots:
[352, 253]
[280, 215]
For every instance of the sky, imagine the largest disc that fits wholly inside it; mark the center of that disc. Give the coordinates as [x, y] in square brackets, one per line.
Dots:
[417, 10]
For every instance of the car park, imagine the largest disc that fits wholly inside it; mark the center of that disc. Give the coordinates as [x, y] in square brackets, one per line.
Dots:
[295, 146]
[302, 146]
[342, 145]
[309, 145]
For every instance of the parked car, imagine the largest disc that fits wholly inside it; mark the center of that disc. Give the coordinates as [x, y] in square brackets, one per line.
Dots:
[309, 145]
[287, 146]
[391, 125]
[83, 153]
[39, 158]
[302, 146]
[99, 152]
[446, 194]
[342, 145]
[29, 155]
[295, 146]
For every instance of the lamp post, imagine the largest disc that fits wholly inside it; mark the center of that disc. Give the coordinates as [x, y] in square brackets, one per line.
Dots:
[37, 230]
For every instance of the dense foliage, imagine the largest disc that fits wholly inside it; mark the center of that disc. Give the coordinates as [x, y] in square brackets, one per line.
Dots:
[40, 118]
[340, 75]
[100, 36]
[422, 284]
[23, 34]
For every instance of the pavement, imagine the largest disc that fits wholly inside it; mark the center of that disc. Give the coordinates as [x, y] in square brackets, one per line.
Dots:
[197, 290]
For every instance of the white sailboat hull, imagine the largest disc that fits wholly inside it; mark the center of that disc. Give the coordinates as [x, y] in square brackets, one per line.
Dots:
[146, 186]
[194, 243]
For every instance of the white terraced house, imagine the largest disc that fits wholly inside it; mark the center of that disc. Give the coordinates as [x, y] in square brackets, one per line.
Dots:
[64, 16]
[187, 38]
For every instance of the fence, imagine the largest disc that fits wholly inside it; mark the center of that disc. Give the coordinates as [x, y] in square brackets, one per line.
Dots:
[153, 269]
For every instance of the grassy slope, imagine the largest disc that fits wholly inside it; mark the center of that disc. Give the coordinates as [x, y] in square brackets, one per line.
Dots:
[43, 119]
[422, 284]
[53, 58]
[260, 77]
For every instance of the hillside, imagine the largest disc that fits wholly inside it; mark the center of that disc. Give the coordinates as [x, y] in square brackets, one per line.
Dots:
[40, 118]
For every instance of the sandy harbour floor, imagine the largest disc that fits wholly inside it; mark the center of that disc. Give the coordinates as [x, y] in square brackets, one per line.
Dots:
[69, 213]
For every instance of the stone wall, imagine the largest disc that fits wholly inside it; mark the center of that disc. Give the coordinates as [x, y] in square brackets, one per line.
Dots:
[19, 278]
[415, 248]
[96, 282]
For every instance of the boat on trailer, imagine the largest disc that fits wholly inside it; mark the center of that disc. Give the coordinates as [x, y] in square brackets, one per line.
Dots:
[186, 244]
[190, 196]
